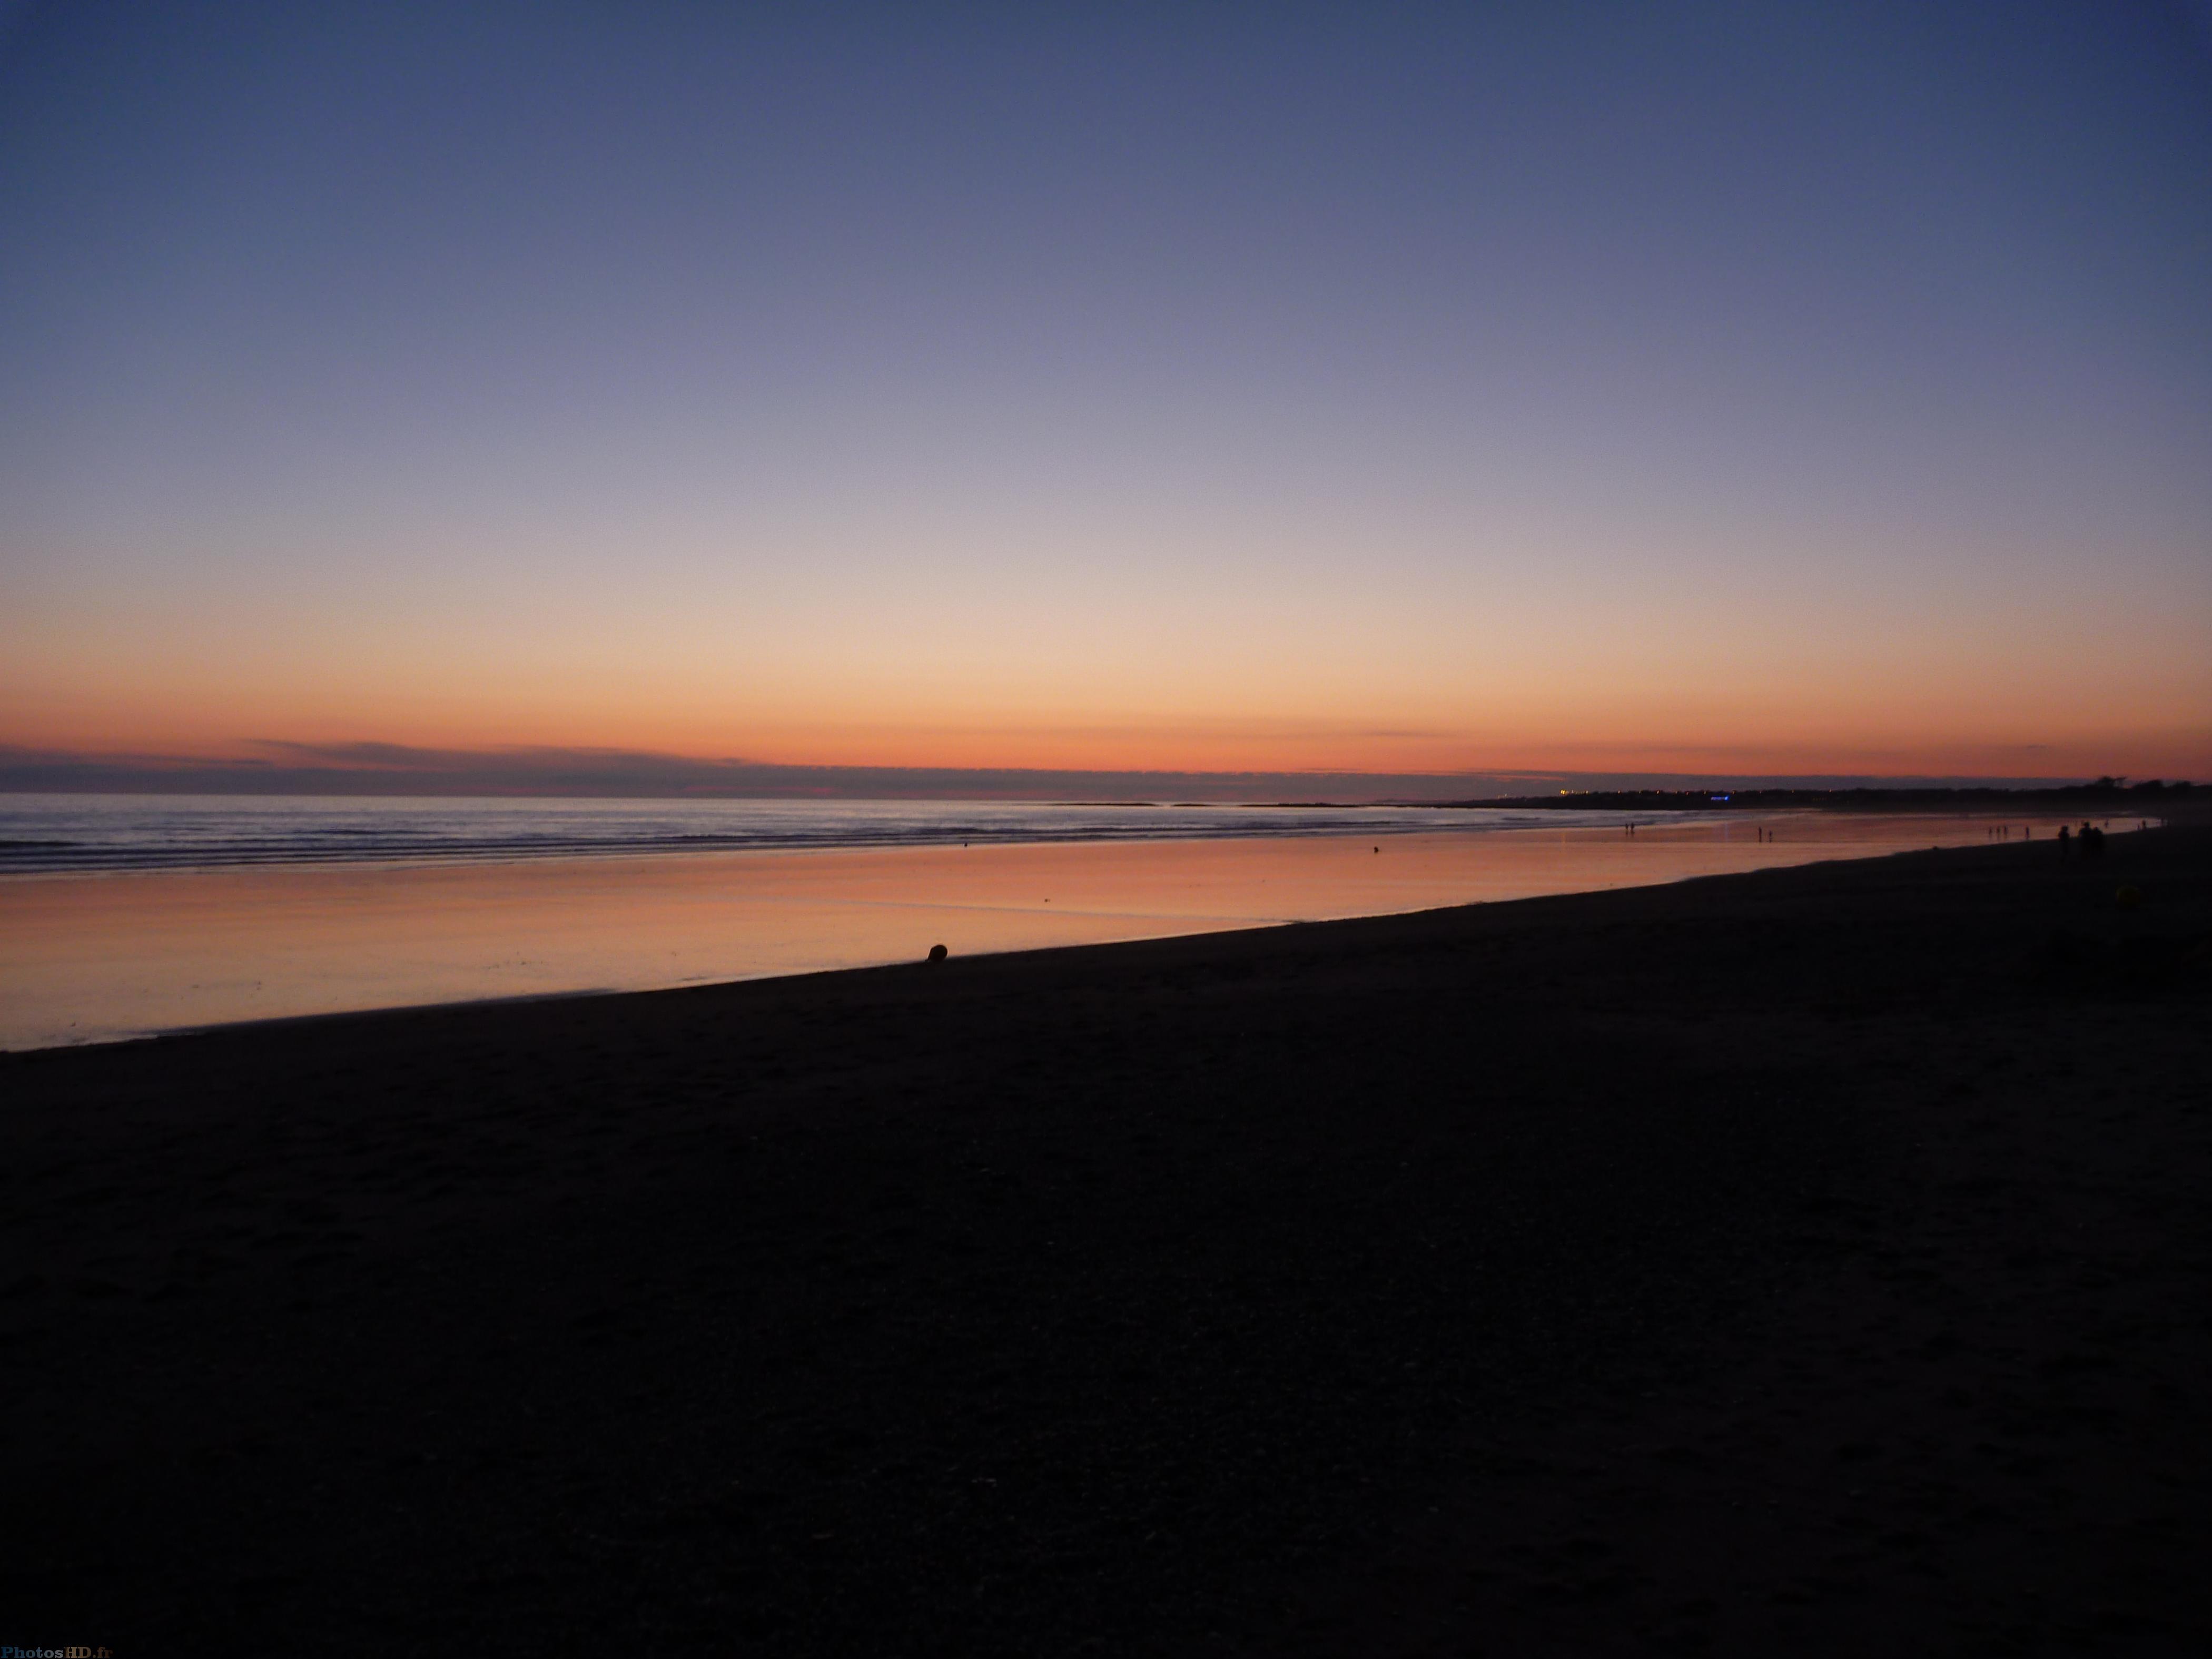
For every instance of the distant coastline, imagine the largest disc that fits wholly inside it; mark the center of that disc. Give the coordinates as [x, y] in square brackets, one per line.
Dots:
[2155, 795]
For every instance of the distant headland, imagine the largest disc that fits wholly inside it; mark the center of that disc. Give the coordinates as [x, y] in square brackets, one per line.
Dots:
[2154, 793]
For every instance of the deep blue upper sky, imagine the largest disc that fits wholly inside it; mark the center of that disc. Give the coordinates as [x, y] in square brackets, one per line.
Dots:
[1251, 383]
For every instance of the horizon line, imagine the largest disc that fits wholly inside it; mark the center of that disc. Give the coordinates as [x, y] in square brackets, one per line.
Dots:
[390, 769]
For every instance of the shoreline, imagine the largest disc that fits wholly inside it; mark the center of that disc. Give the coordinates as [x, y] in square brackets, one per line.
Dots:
[173, 951]
[595, 993]
[1802, 1261]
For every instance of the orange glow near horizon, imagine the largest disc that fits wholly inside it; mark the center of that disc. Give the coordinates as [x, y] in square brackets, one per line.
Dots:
[1186, 676]
[1737, 710]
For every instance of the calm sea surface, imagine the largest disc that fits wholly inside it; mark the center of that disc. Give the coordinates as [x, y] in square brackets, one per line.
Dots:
[55, 834]
[123, 916]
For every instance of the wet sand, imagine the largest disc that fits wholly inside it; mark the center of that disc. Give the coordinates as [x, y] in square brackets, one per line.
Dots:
[1812, 1260]
[99, 957]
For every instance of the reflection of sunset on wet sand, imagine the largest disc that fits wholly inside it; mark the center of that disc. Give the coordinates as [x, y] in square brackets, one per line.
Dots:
[85, 958]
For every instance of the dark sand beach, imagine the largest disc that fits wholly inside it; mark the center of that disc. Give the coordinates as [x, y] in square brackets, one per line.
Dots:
[1818, 1260]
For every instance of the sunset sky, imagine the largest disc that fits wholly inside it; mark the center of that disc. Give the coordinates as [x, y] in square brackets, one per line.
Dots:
[1778, 389]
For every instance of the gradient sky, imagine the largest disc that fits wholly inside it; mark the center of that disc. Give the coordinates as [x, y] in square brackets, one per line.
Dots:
[1777, 387]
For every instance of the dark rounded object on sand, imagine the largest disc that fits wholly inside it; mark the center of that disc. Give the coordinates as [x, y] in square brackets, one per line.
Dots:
[2128, 897]
[938, 953]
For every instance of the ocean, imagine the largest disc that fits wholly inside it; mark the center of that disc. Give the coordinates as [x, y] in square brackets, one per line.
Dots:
[44, 835]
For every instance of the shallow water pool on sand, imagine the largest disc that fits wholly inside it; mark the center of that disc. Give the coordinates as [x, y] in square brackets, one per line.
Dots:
[97, 957]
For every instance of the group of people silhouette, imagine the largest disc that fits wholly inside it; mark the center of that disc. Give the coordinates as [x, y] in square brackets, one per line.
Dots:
[2089, 838]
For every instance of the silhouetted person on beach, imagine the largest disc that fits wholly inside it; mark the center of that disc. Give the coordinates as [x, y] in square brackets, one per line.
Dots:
[2066, 839]
[2093, 841]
